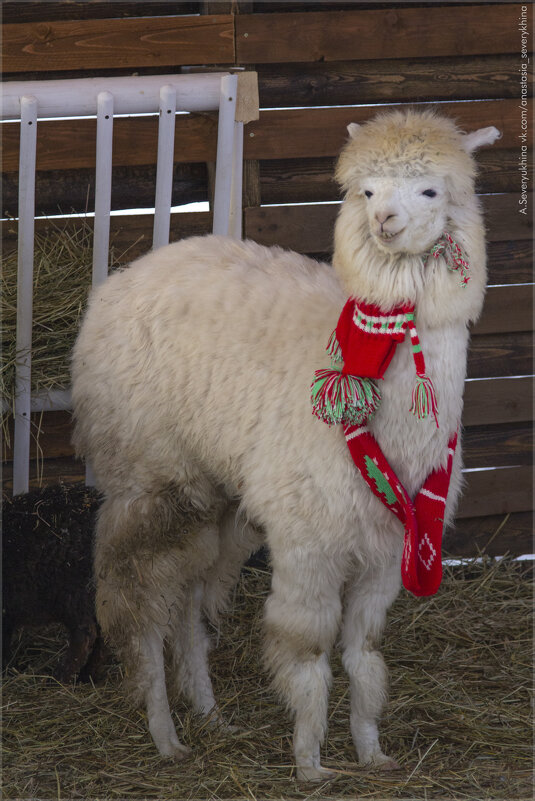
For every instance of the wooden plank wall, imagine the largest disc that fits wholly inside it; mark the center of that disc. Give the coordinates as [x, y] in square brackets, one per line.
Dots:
[320, 66]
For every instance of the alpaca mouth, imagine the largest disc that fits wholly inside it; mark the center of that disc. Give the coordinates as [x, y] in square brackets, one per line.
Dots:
[387, 236]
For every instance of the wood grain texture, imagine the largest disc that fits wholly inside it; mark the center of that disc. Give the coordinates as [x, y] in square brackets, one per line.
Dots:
[497, 355]
[111, 43]
[507, 309]
[510, 262]
[498, 400]
[494, 535]
[290, 133]
[71, 144]
[48, 10]
[497, 492]
[393, 33]
[320, 132]
[389, 81]
[498, 445]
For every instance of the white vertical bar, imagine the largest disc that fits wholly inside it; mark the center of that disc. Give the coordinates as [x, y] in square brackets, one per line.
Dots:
[225, 152]
[101, 237]
[28, 143]
[236, 203]
[101, 232]
[164, 169]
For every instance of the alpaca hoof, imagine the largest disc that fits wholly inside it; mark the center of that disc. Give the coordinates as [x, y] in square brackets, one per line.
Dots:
[382, 762]
[173, 750]
[311, 773]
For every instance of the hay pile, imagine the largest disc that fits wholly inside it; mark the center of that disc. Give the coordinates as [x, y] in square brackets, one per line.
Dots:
[458, 720]
[62, 276]
[63, 258]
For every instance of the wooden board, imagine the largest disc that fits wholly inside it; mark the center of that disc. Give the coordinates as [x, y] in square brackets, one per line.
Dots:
[497, 492]
[63, 144]
[493, 535]
[510, 262]
[393, 33]
[498, 400]
[309, 228]
[311, 180]
[506, 309]
[292, 133]
[46, 10]
[111, 43]
[320, 132]
[497, 355]
[346, 83]
[498, 445]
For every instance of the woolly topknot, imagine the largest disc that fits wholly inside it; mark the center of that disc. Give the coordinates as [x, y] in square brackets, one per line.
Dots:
[406, 144]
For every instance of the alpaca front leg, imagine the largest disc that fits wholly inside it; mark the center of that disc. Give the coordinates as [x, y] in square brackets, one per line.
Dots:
[151, 677]
[367, 602]
[302, 618]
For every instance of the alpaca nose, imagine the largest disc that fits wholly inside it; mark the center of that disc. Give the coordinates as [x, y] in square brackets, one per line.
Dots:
[384, 216]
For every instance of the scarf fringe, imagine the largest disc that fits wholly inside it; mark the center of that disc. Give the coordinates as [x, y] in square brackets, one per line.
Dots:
[333, 348]
[424, 399]
[342, 398]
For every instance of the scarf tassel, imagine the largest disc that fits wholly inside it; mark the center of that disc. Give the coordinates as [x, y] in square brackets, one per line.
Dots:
[342, 398]
[424, 399]
[333, 348]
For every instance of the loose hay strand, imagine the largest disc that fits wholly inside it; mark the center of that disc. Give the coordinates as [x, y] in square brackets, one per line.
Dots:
[458, 720]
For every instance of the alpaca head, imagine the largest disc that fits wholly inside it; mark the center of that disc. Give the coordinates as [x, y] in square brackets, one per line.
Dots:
[406, 170]
[408, 177]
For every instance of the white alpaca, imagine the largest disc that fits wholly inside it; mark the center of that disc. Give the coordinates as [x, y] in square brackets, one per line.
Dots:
[191, 387]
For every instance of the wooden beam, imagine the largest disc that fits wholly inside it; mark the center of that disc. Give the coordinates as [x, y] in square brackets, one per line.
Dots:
[392, 33]
[113, 43]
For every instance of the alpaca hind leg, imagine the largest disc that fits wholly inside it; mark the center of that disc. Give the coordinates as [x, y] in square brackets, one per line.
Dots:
[150, 680]
[302, 618]
[366, 605]
[146, 553]
[238, 539]
[190, 645]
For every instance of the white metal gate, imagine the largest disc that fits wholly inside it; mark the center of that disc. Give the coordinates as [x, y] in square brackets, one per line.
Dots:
[106, 97]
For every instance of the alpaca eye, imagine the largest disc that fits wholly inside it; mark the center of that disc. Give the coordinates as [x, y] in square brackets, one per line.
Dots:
[429, 193]
[368, 193]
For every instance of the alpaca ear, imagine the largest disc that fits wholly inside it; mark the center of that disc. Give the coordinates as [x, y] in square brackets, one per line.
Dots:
[352, 129]
[483, 136]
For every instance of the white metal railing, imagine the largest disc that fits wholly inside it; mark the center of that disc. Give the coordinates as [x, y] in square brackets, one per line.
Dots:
[28, 101]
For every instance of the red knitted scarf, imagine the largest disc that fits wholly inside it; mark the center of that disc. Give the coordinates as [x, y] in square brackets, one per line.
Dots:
[364, 342]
